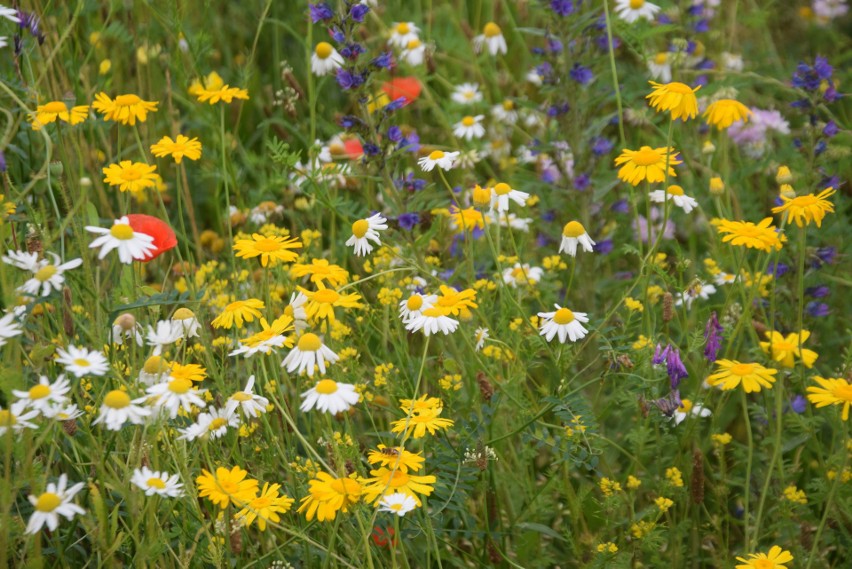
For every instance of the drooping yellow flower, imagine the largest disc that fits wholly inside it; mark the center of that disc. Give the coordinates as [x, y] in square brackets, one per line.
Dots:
[237, 312]
[179, 148]
[279, 327]
[265, 506]
[783, 349]
[454, 301]
[752, 376]
[724, 112]
[396, 458]
[416, 425]
[329, 495]
[321, 303]
[189, 372]
[422, 403]
[273, 248]
[125, 109]
[762, 236]
[775, 559]
[678, 98]
[805, 209]
[58, 110]
[213, 89]
[387, 481]
[466, 219]
[227, 487]
[131, 176]
[320, 271]
[646, 164]
[832, 391]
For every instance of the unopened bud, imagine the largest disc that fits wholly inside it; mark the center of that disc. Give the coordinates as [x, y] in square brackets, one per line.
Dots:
[717, 186]
[126, 322]
[783, 176]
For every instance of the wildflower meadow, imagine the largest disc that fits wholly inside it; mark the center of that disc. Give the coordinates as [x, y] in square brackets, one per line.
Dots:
[425, 283]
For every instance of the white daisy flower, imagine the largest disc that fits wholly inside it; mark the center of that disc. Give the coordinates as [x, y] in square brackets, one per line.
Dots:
[722, 279]
[505, 112]
[402, 33]
[492, 39]
[534, 77]
[687, 408]
[364, 231]
[466, 93]
[414, 52]
[16, 420]
[444, 160]
[631, 10]
[309, 351]
[414, 305]
[469, 127]
[154, 370]
[674, 194]
[252, 405]
[416, 283]
[185, 320]
[574, 234]
[325, 59]
[130, 244]
[63, 413]
[522, 275]
[213, 424]
[81, 361]
[511, 220]
[44, 395]
[125, 327]
[660, 67]
[501, 194]
[118, 408]
[265, 346]
[10, 14]
[165, 334]
[732, 61]
[47, 276]
[9, 327]
[480, 336]
[296, 309]
[174, 394]
[329, 396]
[159, 483]
[432, 320]
[55, 501]
[564, 323]
[398, 503]
[702, 291]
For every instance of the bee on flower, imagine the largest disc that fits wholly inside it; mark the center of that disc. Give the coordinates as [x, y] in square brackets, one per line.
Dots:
[491, 39]
[696, 290]
[325, 59]
[564, 323]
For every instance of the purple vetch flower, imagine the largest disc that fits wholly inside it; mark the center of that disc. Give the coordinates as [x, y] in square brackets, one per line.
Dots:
[582, 182]
[409, 220]
[320, 12]
[674, 365]
[668, 404]
[777, 270]
[817, 309]
[713, 338]
[621, 206]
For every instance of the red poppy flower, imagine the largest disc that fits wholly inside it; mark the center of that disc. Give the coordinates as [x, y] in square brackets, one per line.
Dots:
[407, 87]
[382, 537]
[164, 236]
[354, 149]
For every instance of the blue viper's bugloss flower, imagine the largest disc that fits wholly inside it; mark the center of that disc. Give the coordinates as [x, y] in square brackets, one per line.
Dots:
[338, 35]
[830, 129]
[410, 183]
[2, 161]
[621, 206]
[604, 246]
[582, 182]
[371, 149]
[817, 309]
[601, 146]
[581, 74]
[383, 61]
[777, 269]
[819, 291]
[348, 80]
[349, 121]
[352, 50]
[394, 134]
[394, 105]
[358, 11]
[409, 220]
[799, 404]
[564, 7]
[713, 338]
[554, 45]
[824, 256]
[320, 12]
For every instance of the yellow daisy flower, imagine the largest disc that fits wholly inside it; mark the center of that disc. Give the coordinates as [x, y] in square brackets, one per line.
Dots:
[396, 458]
[731, 373]
[724, 112]
[762, 236]
[227, 487]
[320, 271]
[417, 424]
[58, 110]
[213, 89]
[832, 391]
[274, 248]
[131, 176]
[321, 303]
[126, 109]
[678, 98]
[466, 219]
[783, 349]
[804, 209]
[180, 147]
[237, 312]
[265, 506]
[189, 372]
[329, 495]
[775, 559]
[646, 164]
[386, 481]
[454, 302]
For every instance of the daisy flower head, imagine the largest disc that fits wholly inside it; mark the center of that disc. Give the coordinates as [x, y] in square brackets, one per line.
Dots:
[762, 236]
[226, 487]
[118, 408]
[731, 373]
[574, 234]
[310, 351]
[10, 14]
[15, 419]
[831, 391]
[414, 52]
[725, 112]
[154, 370]
[329, 495]
[469, 127]
[502, 193]
[784, 349]
[439, 158]
[296, 310]
[271, 250]
[396, 458]
[175, 394]
[81, 361]
[125, 327]
[564, 323]
[505, 113]
[398, 503]
[697, 290]
[265, 507]
[44, 396]
[676, 195]
[58, 111]
[689, 409]
[418, 423]
[414, 305]
[808, 208]
[632, 10]
[660, 66]
[179, 148]
[325, 59]
[492, 39]
[47, 276]
[402, 33]
[522, 275]
[124, 109]
[322, 302]
[9, 327]
[329, 396]
[678, 98]
[775, 559]
[237, 312]
[466, 94]
[320, 271]
[647, 164]
[184, 320]
[131, 245]
[55, 501]
[164, 334]
[213, 424]
[251, 404]
[271, 336]
[366, 230]
[386, 481]
[480, 336]
[159, 483]
[130, 176]
[213, 89]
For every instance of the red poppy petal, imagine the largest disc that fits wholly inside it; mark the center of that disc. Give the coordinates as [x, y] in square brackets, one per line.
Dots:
[407, 87]
[354, 149]
[164, 236]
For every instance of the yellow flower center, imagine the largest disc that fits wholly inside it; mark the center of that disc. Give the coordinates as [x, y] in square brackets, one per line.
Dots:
[675, 190]
[309, 343]
[491, 30]
[398, 478]
[82, 362]
[121, 231]
[402, 28]
[241, 396]
[217, 423]
[45, 273]
[117, 399]
[436, 155]
[804, 201]
[646, 156]
[415, 302]
[502, 189]
[155, 483]
[326, 296]
[636, 4]
[396, 507]
[54, 107]
[360, 227]
[127, 100]
[763, 564]
[679, 88]
[784, 346]
[518, 273]
[48, 502]
[469, 94]
[661, 58]
[131, 173]
[414, 44]
[326, 387]
[7, 419]
[508, 105]
[468, 121]
[155, 365]
[39, 391]
[267, 245]
[742, 369]
[573, 229]
[843, 391]
[180, 385]
[685, 406]
[323, 50]
[563, 316]
[183, 314]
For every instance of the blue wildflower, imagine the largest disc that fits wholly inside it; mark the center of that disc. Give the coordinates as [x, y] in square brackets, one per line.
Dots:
[320, 12]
